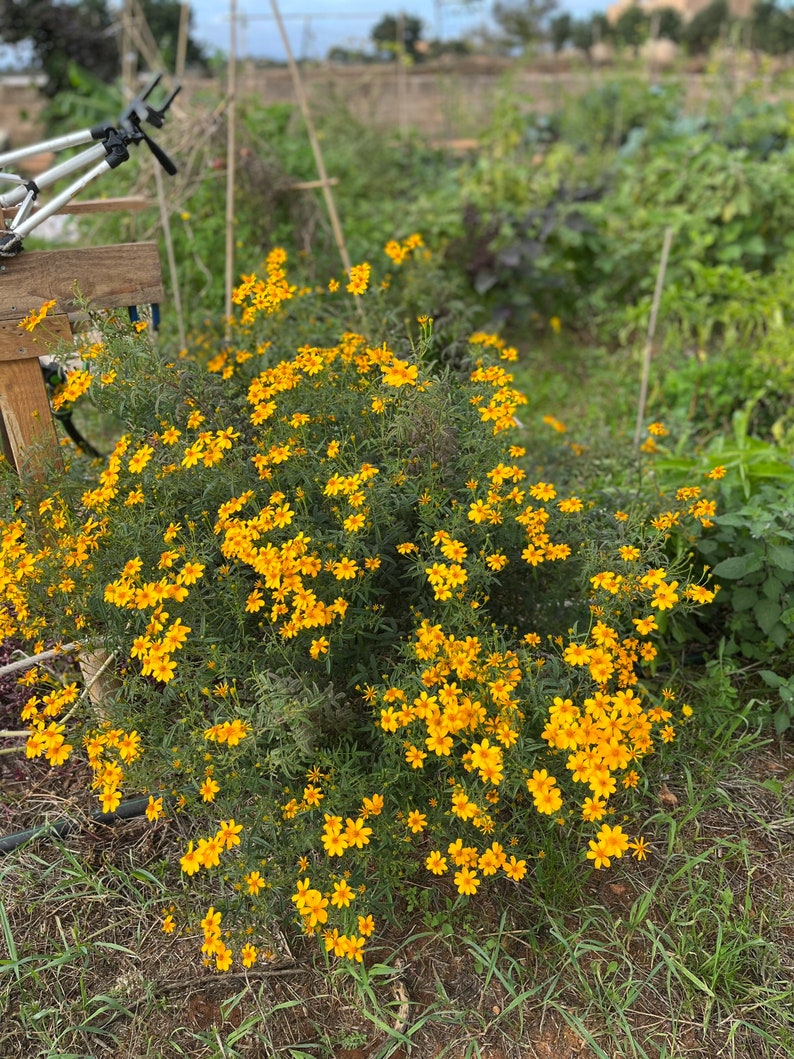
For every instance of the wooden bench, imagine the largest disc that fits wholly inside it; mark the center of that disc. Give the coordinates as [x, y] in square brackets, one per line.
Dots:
[105, 277]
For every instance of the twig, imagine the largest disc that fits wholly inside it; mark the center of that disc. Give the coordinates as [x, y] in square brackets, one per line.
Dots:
[646, 362]
[15, 735]
[33, 660]
[269, 972]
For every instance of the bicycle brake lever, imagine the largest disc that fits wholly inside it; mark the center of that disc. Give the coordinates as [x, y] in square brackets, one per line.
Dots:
[158, 153]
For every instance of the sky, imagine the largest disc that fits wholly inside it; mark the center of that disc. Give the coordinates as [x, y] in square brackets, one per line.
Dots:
[314, 26]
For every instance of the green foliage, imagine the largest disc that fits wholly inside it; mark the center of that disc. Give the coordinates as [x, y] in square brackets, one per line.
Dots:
[751, 553]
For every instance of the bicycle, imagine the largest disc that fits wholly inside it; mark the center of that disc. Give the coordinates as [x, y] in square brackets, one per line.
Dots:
[111, 148]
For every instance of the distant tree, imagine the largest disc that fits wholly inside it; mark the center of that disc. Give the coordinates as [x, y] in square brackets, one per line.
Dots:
[164, 17]
[385, 34]
[60, 34]
[772, 28]
[704, 30]
[560, 31]
[632, 27]
[667, 23]
[458, 46]
[525, 24]
[346, 56]
[586, 32]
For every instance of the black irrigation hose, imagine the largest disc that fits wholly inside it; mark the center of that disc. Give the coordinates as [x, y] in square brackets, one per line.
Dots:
[59, 828]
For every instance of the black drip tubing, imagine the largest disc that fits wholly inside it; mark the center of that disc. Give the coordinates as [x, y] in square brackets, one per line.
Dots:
[60, 828]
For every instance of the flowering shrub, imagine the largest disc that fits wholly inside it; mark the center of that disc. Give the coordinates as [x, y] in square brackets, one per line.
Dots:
[316, 577]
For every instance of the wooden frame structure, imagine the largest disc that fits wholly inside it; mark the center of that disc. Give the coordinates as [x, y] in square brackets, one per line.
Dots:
[105, 277]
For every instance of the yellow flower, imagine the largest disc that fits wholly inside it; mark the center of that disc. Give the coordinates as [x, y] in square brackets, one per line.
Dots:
[436, 863]
[168, 924]
[223, 958]
[34, 318]
[366, 925]
[254, 882]
[359, 278]
[639, 848]
[154, 809]
[140, 458]
[515, 869]
[352, 947]
[229, 832]
[110, 799]
[400, 373]
[248, 953]
[319, 647]
[342, 895]
[357, 833]
[417, 821]
[466, 881]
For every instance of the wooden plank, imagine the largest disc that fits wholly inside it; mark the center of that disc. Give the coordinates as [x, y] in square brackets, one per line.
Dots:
[27, 429]
[17, 344]
[128, 204]
[105, 276]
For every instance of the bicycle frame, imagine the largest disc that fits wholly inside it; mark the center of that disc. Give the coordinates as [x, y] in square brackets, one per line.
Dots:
[108, 153]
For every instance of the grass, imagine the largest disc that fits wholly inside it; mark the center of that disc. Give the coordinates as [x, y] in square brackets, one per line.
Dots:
[689, 952]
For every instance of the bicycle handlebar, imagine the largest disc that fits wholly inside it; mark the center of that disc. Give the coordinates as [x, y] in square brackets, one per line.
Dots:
[115, 139]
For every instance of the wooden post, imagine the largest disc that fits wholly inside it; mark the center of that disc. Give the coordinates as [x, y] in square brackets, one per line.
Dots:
[319, 160]
[106, 277]
[231, 152]
[26, 423]
[646, 358]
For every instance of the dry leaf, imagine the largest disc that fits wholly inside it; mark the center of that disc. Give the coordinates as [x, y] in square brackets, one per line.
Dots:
[667, 798]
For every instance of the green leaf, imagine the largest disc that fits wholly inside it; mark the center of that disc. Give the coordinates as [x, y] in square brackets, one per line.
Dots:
[781, 556]
[767, 613]
[744, 598]
[735, 567]
[772, 587]
[778, 635]
[782, 720]
[771, 679]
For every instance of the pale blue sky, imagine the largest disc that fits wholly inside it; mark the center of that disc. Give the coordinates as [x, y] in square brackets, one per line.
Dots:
[314, 26]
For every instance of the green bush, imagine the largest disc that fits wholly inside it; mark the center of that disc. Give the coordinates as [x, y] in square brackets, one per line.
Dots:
[319, 585]
[750, 628]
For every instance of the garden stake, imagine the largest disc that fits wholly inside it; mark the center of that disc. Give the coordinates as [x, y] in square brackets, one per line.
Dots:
[303, 103]
[169, 250]
[646, 362]
[230, 143]
[33, 660]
